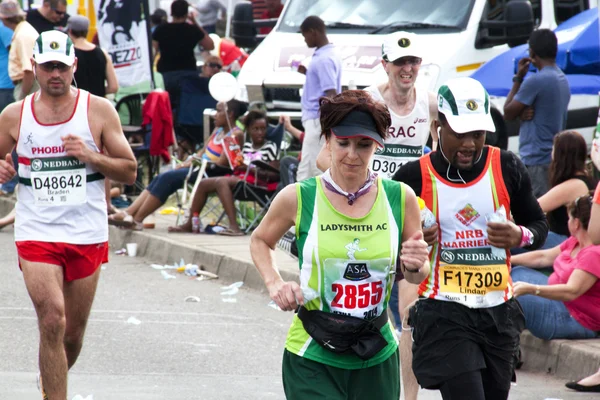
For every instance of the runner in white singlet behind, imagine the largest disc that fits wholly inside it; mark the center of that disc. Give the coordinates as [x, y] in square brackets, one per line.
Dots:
[413, 111]
[68, 141]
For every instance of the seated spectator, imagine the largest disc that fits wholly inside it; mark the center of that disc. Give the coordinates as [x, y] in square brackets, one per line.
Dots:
[273, 10]
[167, 183]
[568, 180]
[228, 52]
[212, 65]
[564, 305]
[257, 148]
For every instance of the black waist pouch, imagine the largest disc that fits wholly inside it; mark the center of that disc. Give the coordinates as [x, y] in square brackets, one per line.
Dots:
[343, 334]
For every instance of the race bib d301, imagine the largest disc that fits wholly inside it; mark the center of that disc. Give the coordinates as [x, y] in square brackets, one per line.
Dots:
[58, 181]
[389, 160]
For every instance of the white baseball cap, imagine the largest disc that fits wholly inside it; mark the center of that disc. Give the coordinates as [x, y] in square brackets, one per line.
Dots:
[466, 105]
[401, 44]
[54, 46]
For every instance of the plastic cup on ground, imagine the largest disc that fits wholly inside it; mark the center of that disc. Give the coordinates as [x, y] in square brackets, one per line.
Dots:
[131, 249]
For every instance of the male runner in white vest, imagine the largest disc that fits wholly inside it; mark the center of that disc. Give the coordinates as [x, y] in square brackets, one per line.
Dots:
[413, 111]
[67, 141]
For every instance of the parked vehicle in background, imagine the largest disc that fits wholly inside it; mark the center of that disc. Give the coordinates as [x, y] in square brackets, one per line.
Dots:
[459, 35]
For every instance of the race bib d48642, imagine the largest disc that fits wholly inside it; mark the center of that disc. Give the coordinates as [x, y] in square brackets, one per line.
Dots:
[58, 181]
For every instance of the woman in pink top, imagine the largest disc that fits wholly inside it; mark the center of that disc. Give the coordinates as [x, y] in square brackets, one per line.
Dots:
[591, 383]
[565, 304]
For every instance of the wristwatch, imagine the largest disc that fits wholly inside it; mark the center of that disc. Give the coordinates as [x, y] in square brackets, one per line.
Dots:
[517, 78]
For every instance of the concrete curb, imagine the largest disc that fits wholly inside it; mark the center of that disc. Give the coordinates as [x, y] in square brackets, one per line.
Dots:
[568, 359]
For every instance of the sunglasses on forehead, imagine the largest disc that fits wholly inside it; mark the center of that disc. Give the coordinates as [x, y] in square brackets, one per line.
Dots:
[50, 66]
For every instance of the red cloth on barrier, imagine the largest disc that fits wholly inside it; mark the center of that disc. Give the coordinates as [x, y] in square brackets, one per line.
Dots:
[157, 111]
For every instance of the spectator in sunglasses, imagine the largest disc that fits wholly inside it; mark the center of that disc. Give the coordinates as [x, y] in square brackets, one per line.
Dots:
[51, 15]
[212, 65]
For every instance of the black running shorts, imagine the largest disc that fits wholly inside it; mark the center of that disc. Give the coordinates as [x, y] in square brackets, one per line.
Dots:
[450, 339]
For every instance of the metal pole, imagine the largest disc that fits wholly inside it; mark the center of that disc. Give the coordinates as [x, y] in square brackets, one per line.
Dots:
[146, 9]
[229, 17]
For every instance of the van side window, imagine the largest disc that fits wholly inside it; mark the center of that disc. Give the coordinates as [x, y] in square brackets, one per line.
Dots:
[565, 9]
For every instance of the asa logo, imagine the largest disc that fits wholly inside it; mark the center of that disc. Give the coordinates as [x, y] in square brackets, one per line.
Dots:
[357, 271]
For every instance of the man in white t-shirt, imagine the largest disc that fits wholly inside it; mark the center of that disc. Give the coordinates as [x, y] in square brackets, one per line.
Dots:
[413, 111]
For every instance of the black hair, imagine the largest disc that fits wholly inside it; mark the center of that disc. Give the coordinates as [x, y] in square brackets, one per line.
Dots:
[442, 118]
[313, 23]
[55, 3]
[180, 8]
[78, 34]
[236, 108]
[252, 117]
[543, 43]
[159, 16]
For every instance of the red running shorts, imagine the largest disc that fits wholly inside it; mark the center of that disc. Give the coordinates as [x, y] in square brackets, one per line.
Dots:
[77, 260]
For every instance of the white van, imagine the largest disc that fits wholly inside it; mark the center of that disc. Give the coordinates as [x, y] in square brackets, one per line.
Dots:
[460, 35]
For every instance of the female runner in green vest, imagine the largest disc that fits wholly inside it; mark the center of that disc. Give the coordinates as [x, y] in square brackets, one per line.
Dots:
[351, 227]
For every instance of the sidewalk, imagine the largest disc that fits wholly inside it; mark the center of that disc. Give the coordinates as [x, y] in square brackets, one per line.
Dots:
[229, 258]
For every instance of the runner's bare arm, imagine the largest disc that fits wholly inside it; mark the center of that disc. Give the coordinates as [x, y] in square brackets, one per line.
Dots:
[414, 255]
[433, 113]
[280, 217]
[9, 131]
[121, 165]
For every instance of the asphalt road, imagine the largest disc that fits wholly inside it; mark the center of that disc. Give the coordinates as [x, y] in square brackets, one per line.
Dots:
[211, 349]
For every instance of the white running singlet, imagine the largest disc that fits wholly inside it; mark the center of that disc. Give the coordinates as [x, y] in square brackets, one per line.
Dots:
[407, 135]
[60, 199]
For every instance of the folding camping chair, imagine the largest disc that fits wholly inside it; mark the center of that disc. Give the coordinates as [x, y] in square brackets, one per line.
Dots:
[261, 196]
[259, 193]
[185, 201]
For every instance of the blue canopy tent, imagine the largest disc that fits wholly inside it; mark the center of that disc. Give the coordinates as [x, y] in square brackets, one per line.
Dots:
[579, 44]
[578, 56]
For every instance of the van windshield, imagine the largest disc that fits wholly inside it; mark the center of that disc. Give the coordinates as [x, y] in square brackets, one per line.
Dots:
[379, 16]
